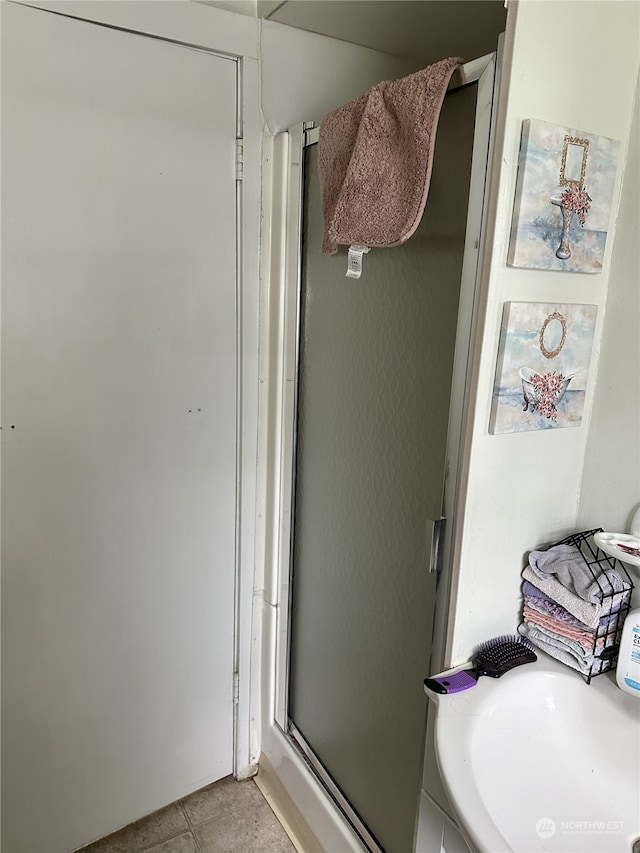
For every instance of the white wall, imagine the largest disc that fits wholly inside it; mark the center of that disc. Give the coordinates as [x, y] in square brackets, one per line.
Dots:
[305, 75]
[572, 64]
[611, 482]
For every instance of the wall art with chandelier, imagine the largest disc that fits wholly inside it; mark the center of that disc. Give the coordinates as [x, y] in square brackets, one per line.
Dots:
[563, 198]
[542, 367]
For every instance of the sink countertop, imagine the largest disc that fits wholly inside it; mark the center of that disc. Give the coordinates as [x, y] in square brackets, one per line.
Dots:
[539, 760]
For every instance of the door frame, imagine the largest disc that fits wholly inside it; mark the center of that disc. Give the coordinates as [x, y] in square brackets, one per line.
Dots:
[283, 748]
[233, 37]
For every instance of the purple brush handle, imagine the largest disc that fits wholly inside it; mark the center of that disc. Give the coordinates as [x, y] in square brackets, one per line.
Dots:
[452, 683]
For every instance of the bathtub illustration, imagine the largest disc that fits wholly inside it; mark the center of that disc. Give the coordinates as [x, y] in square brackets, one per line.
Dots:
[543, 391]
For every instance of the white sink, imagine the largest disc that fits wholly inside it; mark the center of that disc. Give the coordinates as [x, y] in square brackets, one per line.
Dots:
[540, 761]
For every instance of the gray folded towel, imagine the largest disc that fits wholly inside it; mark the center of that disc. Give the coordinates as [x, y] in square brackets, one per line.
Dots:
[566, 564]
[566, 652]
[586, 612]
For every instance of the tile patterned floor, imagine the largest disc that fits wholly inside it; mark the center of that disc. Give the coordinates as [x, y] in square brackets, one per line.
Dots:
[226, 817]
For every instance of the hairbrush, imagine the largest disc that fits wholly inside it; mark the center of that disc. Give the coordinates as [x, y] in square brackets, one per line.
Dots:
[493, 658]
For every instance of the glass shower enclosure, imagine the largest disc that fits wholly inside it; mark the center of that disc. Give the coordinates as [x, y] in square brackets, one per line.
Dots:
[372, 439]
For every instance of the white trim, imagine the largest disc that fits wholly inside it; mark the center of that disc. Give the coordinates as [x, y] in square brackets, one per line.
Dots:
[471, 71]
[273, 171]
[466, 364]
[324, 819]
[246, 757]
[285, 809]
[484, 72]
[288, 360]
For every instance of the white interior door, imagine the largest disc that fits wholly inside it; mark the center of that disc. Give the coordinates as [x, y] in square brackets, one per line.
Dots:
[119, 425]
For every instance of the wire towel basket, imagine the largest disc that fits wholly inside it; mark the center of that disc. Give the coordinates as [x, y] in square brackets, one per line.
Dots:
[614, 604]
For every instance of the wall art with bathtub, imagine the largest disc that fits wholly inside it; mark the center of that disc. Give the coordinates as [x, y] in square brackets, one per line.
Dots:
[563, 198]
[542, 367]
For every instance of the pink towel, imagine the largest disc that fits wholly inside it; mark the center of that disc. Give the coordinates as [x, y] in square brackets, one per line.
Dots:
[583, 638]
[375, 156]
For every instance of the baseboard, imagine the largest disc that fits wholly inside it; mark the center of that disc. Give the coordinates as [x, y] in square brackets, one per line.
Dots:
[285, 809]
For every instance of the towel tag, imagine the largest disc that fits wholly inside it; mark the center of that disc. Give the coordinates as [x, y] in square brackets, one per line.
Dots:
[354, 261]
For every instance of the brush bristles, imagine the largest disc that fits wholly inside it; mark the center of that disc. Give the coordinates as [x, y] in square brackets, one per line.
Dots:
[505, 639]
[503, 653]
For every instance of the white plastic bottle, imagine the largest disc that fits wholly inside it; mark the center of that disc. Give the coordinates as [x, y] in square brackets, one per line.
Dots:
[628, 670]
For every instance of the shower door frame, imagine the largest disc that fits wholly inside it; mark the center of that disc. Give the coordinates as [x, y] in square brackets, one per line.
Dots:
[482, 72]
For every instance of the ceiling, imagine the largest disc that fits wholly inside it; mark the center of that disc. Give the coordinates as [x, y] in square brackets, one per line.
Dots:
[423, 29]
[426, 30]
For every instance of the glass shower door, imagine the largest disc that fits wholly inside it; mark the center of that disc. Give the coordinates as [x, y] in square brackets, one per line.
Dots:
[374, 383]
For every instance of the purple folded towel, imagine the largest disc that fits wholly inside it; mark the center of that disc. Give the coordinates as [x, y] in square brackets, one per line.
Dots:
[551, 606]
[537, 599]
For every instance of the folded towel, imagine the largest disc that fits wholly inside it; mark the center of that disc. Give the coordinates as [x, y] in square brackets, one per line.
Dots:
[584, 611]
[535, 598]
[566, 564]
[557, 612]
[586, 653]
[375, 155]
[529, 589]
[584, 639]
[550, 608]
[586, 661]
[612, 605]
[559, 651]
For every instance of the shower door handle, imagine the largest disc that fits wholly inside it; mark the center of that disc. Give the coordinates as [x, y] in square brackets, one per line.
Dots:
[435, 531]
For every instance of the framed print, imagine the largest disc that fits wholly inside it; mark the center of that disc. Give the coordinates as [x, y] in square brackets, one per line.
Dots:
[542, 366]
[563, 198]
